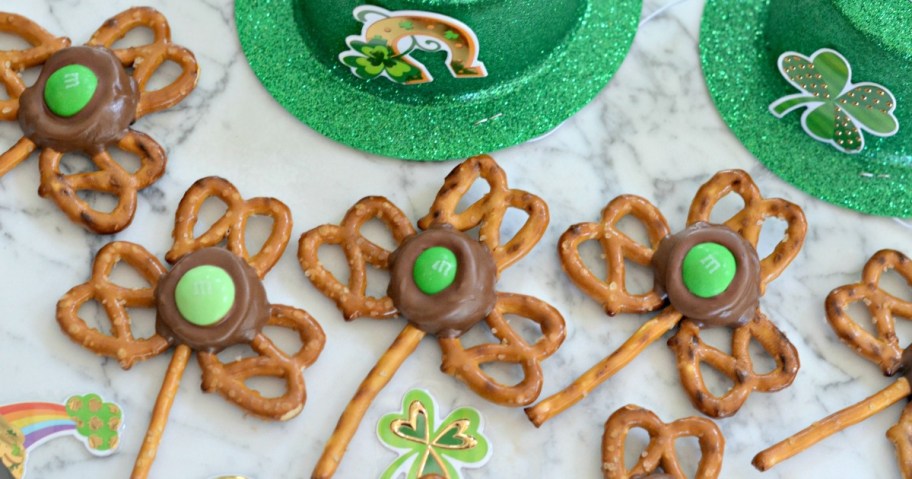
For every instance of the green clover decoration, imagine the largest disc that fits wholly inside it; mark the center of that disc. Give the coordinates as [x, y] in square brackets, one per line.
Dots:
[837, 110]
[377, 58]
[425, 448]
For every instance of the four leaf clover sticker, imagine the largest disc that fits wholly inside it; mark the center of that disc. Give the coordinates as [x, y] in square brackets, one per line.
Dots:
[837, 110]
[424, 448]
[376, 58]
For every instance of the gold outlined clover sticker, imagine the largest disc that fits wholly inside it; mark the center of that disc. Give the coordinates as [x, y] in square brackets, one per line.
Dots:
[706, 275]
[881, 348]
[442, 281]
[428, 445]
[85, 102]
[212, 298]
[837, 111]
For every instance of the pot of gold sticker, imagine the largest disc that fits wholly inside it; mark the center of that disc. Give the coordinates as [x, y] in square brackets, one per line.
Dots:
[85, 101]
[707, 275]
[881, 348]
[211, 299]
[441, 281]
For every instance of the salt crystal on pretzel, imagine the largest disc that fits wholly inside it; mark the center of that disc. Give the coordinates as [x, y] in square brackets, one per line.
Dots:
[211, 299]
[882, 349]
[688, 267]
[86, 100]
[435, 299]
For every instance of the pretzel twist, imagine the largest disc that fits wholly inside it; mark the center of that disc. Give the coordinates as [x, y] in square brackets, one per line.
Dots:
[114, 299]
[884, 349]
[352, 298]
[749, 221]
[43, 45]
[660, 451]
[231, 227]
[617, 247]
[110, 178]
[229, 379]
[488, 212]
[465, 364]
[691, 351]
[146, 59]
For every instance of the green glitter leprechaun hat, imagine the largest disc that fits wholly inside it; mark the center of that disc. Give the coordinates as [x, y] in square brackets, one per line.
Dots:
[435, 79]
[820, 91]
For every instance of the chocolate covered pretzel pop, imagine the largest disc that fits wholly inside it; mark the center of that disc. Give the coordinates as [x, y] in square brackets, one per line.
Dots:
[84, 101]
[211, 299]
[882, 349]
[708, 274]
[442, 282]
[660, 454]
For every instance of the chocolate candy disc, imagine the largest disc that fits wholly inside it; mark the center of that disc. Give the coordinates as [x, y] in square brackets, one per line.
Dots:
[710, 273]
[83, 100]
[210, 300]
[462, 301]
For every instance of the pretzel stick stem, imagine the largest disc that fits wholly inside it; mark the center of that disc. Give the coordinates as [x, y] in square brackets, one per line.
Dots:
[160, 412]
[832, 424]
[648, 333]
[376, 380]
[15, 155]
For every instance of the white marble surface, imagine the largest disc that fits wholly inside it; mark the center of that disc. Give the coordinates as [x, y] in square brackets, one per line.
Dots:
[653, 132]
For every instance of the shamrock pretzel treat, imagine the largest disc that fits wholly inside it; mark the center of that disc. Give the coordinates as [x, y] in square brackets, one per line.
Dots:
[85, 101]
[883, 349]
[442, 281]
[212, 298]
[660, 451]
[710, 274]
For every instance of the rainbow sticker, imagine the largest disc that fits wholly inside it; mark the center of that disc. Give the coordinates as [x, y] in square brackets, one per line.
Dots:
[25, 426]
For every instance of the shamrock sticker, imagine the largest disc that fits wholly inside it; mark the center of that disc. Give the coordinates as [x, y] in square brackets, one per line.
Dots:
[376, 58]
[837, 110]
[427, 449]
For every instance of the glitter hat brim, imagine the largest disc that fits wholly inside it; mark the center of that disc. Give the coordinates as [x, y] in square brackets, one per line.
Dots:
[496, 118]
[743, 80]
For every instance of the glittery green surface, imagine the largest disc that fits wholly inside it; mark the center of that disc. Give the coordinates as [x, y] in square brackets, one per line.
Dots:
[545, 61]
[740, 42]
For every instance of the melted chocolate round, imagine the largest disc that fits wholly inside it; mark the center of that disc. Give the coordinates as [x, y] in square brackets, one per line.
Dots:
[905, 365]
[466, 301]
[734, 306]
[241, 323]
[103, 121]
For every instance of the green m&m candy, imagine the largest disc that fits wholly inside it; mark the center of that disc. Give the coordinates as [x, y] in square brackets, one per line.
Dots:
[708, 269]
[435, 270]
[204, 295]
[69, 89]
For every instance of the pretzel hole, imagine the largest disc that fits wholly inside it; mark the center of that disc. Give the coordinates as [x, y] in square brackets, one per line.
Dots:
[726, 208]
[903, 329]
[761, 360]
[478, 335]
[333, 260]
[127, 160]
[257, 231]
[377, 281]
[896, 285]
[529, 330]
[4, 93]
[635, 445]
[514, 219]
[772, 232]
[638, 279]
[166, 74]
[212, 210]
[95, 317]
[137, 36]
[30, 75]
[76, 162]
[100, 201]
[10, 42]
[477, 191]
[593, 257]
[634, 228]
[859, 313]
[236, 353]
[714, 381]
[378, 233]
[288, 340]
[687, 452]
[268, 386]
[142, 322]
[125, 275]
[719, 338]
[504, 373]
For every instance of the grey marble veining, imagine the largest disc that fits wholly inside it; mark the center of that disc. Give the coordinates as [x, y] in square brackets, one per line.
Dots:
[653, 132]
